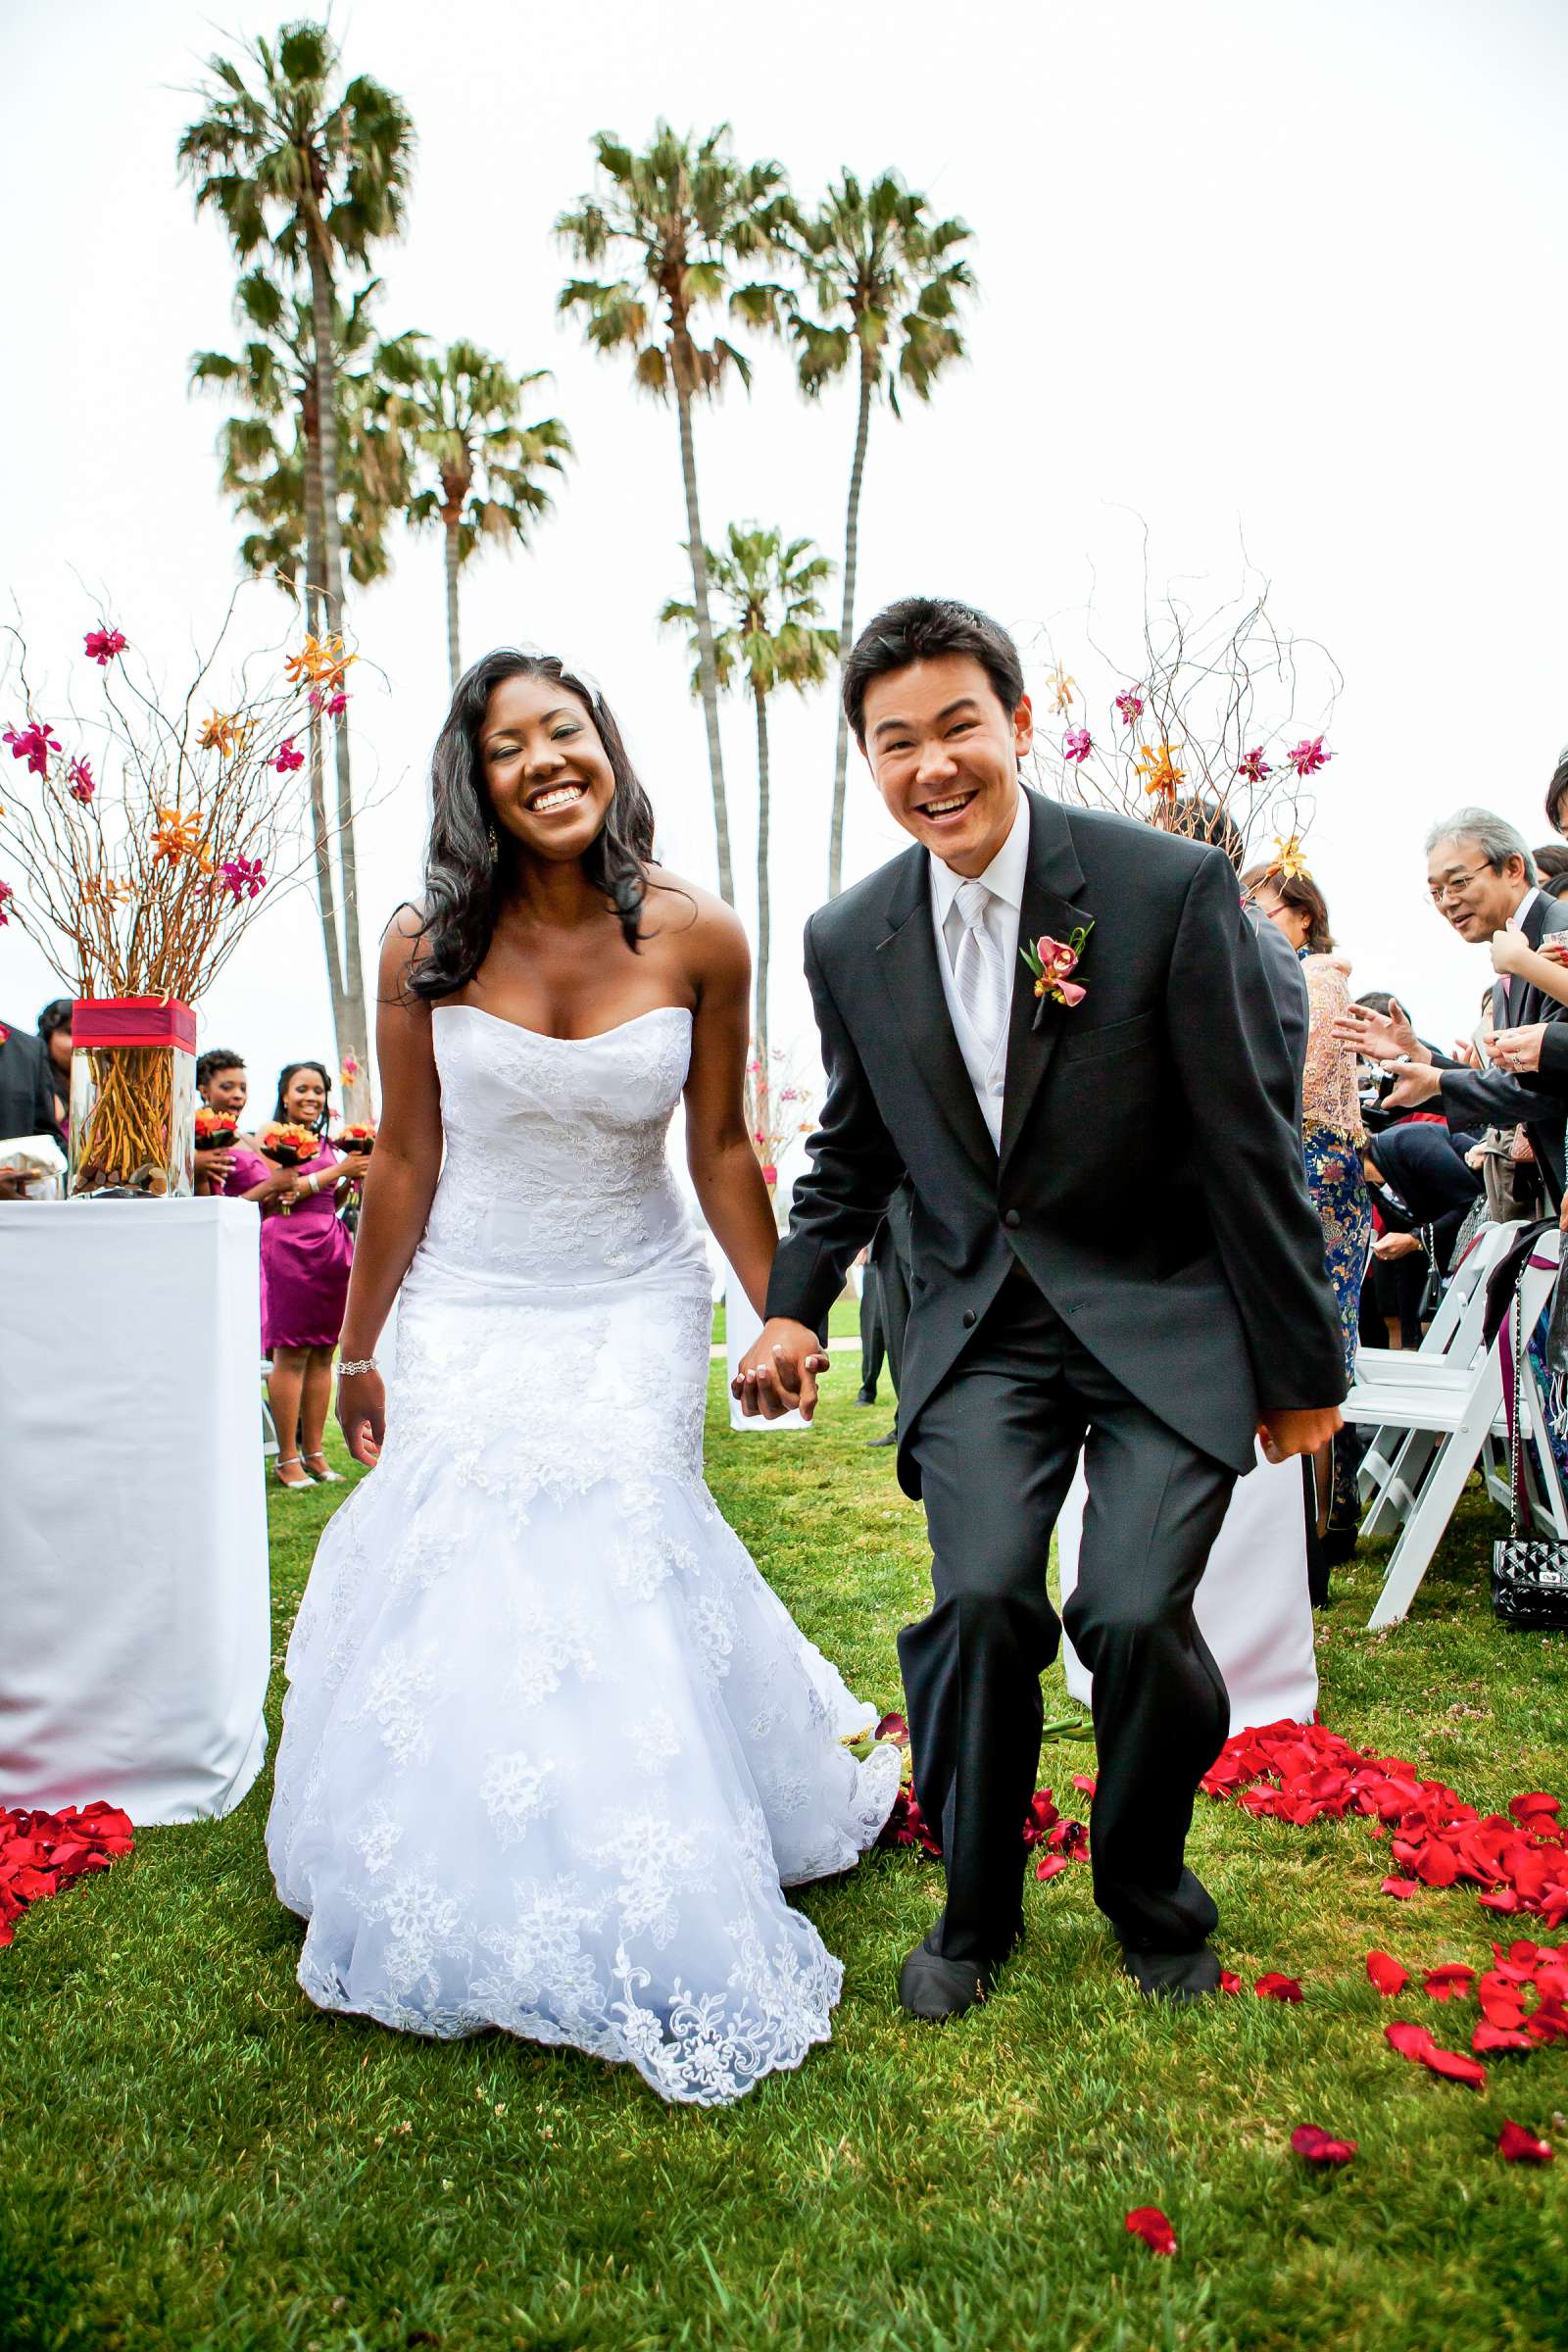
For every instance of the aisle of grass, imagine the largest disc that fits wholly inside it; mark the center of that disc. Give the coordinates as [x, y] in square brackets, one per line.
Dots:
[195, 2158]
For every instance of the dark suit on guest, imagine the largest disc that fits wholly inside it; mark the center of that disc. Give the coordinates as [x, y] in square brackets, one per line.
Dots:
[1139, 1266]
[1474, 1099]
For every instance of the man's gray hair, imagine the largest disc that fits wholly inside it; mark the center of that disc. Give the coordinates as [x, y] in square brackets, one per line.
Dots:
[1494, 836]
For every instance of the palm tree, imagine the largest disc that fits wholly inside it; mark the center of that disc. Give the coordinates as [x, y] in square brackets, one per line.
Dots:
[768, 636]
[887, 279]
[680, 217]
[266, 466]
[462, 416]
[290, 155]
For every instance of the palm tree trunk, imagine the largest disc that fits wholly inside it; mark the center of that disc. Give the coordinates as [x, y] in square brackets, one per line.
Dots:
[763, 906]
[321, 834]
[353, 1030]
[454, 657]
[706, 665]
[852, 552]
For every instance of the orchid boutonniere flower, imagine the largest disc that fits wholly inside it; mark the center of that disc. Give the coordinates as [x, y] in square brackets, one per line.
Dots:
[1054, 962]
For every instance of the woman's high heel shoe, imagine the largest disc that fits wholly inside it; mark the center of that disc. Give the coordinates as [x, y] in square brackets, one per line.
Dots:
[291, 1486]
[326, 1475]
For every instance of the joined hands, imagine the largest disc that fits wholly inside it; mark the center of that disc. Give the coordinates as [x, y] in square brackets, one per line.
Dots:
[778, 1373]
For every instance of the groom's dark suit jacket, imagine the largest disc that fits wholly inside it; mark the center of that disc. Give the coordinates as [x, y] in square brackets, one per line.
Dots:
[1475, 1098]
[1149, 1180]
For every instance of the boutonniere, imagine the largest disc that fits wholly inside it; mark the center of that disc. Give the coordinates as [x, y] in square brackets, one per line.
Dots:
[1054, 962]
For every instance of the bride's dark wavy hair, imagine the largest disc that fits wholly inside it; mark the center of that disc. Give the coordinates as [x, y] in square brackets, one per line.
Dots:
[462, 886]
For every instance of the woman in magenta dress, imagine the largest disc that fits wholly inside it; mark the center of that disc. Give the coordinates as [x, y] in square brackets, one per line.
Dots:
[307, 1251]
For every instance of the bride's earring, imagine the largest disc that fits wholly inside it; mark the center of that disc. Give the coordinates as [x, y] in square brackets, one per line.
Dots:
[493, 846]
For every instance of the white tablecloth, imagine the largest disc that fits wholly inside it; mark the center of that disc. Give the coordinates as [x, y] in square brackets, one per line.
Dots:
[1253, 1606]
[134, 1617]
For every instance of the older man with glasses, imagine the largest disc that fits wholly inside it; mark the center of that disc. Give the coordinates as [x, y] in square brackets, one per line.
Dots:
[1482, 879]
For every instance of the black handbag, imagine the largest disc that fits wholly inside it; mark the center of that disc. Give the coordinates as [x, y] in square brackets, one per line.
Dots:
[1529, 1573]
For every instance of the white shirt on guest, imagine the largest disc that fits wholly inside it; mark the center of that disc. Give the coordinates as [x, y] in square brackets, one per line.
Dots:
[1003, 877]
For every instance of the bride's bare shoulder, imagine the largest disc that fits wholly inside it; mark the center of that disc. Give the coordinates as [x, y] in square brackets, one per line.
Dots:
[705, 932]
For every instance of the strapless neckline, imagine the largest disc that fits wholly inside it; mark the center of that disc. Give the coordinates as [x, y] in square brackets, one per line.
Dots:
[547, 1037]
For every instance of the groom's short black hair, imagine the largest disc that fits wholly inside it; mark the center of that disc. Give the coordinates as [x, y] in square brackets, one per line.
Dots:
[922, 628]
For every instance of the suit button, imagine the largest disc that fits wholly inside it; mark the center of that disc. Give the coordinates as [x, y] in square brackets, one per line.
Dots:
[968, 1318]
[1012, 1220]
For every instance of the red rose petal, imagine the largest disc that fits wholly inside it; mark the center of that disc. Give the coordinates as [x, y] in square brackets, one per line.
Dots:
[1385, 1974]
[1229, 1981]
[1410, 2040]
[1455, 2067]
[1151, 2225]
[1403, 1888]
[1450, 1980]
[1051, 1867]
[1489, 2039]
[1275, 1988]
[1085, 1783]
[1534, 1805]
[1321, 2147]
[1516, 2145]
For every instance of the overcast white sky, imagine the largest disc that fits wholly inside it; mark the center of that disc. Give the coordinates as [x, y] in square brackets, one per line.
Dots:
[1293, 272]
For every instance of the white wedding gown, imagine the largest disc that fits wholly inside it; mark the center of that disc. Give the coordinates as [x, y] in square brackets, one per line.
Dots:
[551, 1744]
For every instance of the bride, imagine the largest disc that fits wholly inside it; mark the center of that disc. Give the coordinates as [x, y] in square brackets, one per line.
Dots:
[552, 1748]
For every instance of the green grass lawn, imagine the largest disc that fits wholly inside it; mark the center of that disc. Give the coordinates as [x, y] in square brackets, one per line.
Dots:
[194, 2157]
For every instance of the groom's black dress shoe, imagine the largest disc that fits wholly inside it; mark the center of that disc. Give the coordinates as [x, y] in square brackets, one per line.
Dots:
[1172, 1976]
[932, 1987]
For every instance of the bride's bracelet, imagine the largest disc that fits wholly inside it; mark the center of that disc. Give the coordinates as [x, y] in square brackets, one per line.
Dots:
[366, 1364]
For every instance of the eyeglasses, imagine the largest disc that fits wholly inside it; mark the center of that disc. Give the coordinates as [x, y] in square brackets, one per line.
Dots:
[1439, 893]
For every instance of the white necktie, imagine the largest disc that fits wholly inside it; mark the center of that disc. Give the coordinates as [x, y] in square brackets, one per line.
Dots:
[977, 967]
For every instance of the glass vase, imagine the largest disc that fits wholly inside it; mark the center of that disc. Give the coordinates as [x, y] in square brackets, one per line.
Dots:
[133, 1097]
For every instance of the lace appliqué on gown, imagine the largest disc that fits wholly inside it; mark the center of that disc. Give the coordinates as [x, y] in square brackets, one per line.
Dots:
[552, 1745]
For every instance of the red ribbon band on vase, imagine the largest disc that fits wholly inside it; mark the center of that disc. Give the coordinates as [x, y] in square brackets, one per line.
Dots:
[132, 1021]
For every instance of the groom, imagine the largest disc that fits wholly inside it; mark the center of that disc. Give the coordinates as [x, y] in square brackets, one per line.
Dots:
[1114, 1252]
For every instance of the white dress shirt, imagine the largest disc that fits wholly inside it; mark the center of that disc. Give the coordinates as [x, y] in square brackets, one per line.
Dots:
[1003, 877]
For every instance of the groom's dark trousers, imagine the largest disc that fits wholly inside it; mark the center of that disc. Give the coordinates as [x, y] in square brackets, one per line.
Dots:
[1134, 1270]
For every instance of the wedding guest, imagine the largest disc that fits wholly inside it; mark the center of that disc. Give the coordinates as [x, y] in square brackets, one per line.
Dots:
[1551, 865]
[1558, 794]
[1481, 875]
[307, 1252]
[1332, 1134]
[1423, 1187]
[224, 1084]
[27, 1097]
[54, 1032]
[1205, 820]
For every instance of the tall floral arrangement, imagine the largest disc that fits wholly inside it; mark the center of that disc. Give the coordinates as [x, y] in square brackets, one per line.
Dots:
[778, 1109]
[1203, 730]
[137, 845]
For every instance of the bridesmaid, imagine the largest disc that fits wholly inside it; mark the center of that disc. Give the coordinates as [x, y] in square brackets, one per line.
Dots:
[1333, 1135]
[307, 1251]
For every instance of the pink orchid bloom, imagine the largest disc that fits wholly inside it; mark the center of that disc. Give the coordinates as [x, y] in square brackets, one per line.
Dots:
[243, 876]
[1254, 767]
[1131, 706]
[79, 781]
[1077, 744]
[34, 744]
[1308, 755]
[288, 758]
[102, 645]
[7, 893]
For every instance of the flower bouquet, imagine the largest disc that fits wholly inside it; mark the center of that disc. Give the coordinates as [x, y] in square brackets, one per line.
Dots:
[139, 868]
[360, 1138]
[289, 1144]
[216, 1130]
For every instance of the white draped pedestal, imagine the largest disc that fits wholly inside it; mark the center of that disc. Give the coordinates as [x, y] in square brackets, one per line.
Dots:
[1253, 1605]
[133, 1574]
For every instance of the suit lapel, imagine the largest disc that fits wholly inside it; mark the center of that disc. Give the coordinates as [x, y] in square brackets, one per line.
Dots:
[907, 961]
[1053, 883]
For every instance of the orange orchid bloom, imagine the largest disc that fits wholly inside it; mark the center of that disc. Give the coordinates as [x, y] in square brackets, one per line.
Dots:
[1158, 769]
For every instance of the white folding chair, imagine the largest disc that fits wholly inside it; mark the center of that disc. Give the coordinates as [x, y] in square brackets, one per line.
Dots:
[269, 1443]
[1448, 1407]
[1398, 1454]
